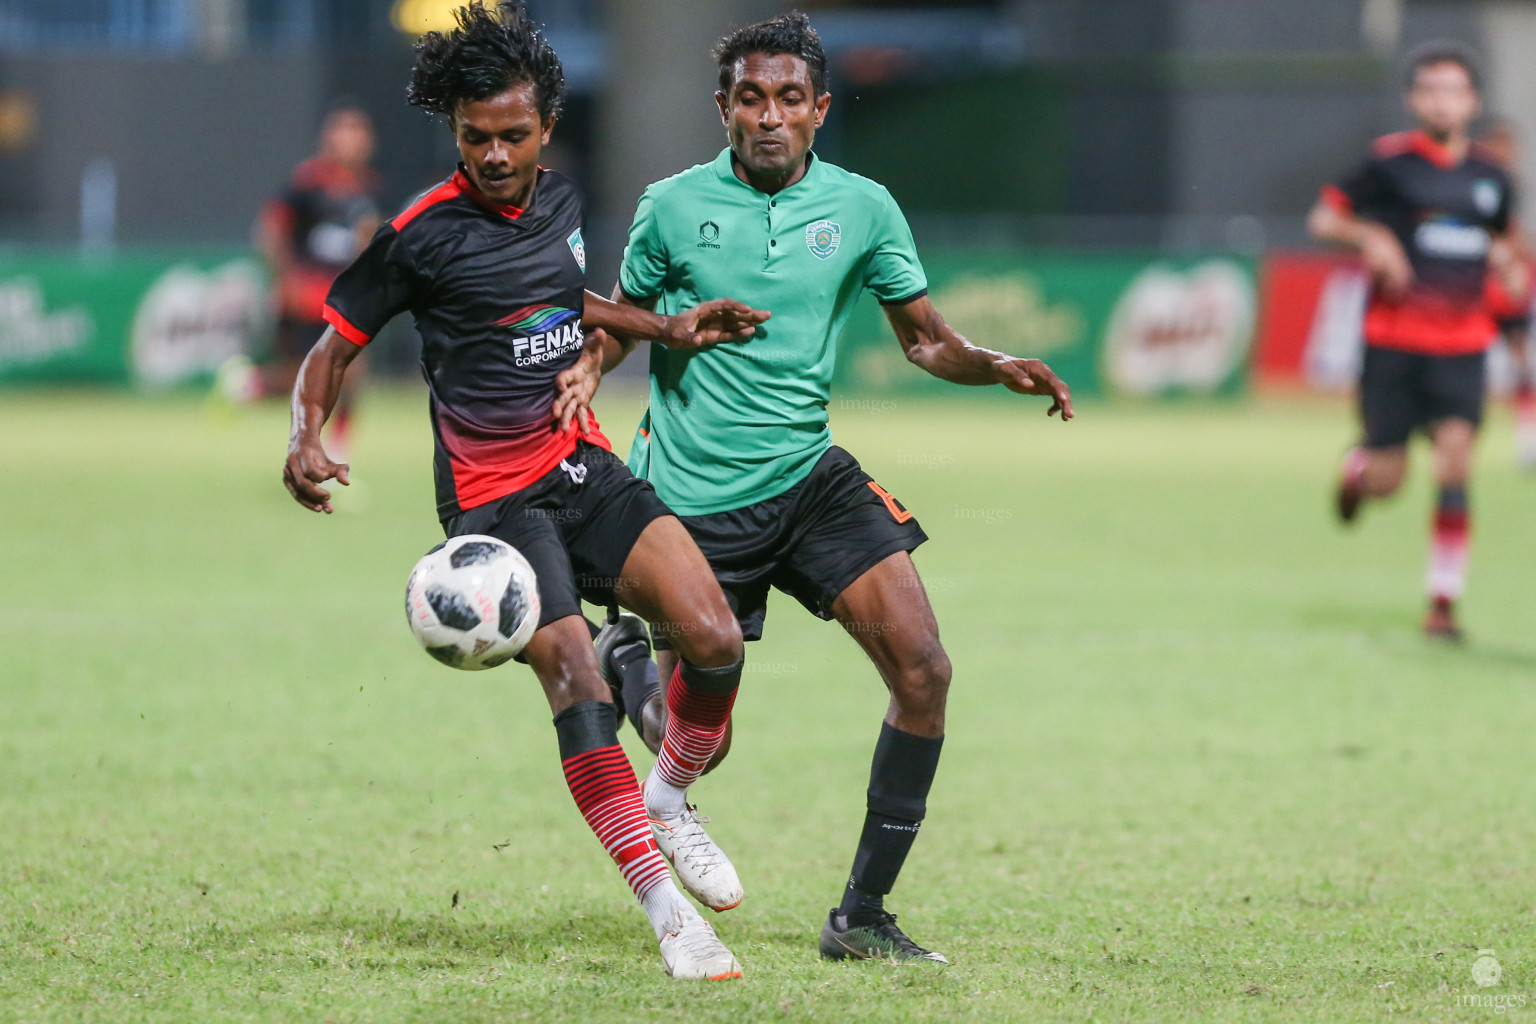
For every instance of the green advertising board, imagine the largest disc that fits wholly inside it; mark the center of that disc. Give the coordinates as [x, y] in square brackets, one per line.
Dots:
[152, 319]
[1107, 323]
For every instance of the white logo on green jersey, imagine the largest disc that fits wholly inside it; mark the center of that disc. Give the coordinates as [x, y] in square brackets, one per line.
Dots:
[822, 238]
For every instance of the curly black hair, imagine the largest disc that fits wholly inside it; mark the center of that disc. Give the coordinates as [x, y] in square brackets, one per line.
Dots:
[788, 33]
[491, 50]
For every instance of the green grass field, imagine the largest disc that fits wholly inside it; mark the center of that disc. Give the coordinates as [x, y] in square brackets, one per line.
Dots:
[1200, 764]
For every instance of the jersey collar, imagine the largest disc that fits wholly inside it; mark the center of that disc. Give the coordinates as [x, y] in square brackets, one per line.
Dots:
[466, 186]
[1426, 147]
[727, 173]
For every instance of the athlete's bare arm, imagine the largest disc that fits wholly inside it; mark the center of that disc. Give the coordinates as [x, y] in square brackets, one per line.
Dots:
[314, 396]
[617, 324]
[1384, 257]
[931, 343]
[708, 323]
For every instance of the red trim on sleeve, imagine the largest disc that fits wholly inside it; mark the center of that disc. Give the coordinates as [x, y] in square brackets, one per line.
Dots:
[1334, 197]
[344, 326]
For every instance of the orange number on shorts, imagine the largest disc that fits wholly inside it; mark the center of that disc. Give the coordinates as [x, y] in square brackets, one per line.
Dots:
[898, 513]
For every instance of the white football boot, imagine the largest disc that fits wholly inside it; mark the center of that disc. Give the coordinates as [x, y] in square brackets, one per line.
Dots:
[691, 951]
[703, 868]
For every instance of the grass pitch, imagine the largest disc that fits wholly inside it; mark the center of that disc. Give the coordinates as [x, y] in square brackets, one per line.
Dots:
[1200, 764]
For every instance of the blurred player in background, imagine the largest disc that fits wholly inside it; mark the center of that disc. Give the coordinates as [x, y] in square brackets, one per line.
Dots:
[1430, 213]
[736, 440]
[1510, 296]
[308, 235]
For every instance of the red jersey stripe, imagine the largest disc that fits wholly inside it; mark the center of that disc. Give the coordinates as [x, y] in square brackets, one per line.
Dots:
[485, 469]
[344, 326]
[447, 190]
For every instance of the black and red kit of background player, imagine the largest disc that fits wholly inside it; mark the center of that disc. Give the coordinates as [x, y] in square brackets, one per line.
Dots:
[1439, 206]
[1425, 352]
[328, 209]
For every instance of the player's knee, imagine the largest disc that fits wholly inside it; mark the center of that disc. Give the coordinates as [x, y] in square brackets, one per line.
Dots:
[922, 679]
[713, 639]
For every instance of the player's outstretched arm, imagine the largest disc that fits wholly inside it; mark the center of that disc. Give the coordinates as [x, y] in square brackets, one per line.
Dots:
[314, 396]
[708, 323]
[1383, 254]
[616, 325]
[935, 346]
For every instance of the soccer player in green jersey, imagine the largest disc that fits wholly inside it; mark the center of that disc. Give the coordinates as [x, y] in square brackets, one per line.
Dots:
[736, 442]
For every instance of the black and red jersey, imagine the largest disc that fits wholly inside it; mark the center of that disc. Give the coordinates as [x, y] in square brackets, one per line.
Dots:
[1445, 213]
[323, 214]
[497, 294]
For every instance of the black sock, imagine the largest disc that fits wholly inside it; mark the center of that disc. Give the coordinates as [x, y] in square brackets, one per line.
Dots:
[637, 670]
[899, 780]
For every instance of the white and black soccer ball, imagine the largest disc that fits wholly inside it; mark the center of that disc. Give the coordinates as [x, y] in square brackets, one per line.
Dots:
[473, 602]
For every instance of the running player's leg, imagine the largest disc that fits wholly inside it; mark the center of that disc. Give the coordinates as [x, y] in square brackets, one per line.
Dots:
[605, 789]
[636, 674]
[1450, 529]
[1390, 408]
[598, 772]
[667, 581]
[1456, 389]
[887, 611]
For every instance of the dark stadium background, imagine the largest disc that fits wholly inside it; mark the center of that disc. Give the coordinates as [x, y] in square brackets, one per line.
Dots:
[1145, 126]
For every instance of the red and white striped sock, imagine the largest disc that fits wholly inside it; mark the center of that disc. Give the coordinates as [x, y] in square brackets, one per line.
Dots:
[608, 795]
[1450, 545]
[698, 709]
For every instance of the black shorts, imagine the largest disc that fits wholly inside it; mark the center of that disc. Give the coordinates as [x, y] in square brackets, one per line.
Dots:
[1401, 392]
[811, 542]
[576, 527]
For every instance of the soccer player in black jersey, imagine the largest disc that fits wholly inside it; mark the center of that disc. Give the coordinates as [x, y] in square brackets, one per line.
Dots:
[1430, 213]
[491, 264]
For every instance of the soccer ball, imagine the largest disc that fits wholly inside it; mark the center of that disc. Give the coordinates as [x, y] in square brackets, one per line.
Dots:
[473, 602]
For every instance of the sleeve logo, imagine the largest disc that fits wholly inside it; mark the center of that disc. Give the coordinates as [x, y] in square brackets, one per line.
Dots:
[578, 249]
[822, 238]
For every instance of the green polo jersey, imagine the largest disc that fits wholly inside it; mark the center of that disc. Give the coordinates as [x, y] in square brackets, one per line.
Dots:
[744, 421]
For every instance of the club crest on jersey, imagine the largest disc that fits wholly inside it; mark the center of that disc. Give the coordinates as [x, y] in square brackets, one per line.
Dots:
[1485, 196]
[822, 238]
[578, 249]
